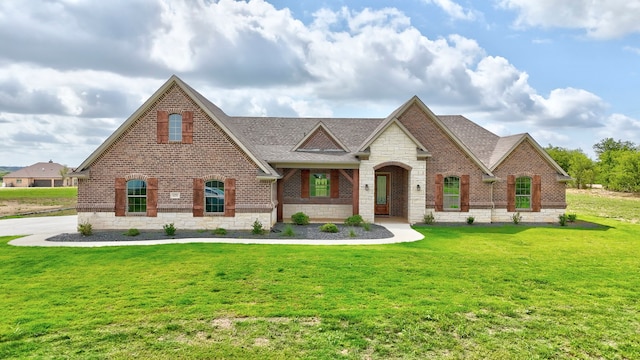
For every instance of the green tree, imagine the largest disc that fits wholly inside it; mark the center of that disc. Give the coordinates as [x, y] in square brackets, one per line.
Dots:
[609, 153]
[581, 169]
[560, 155]
[576, 163]
[625, 175]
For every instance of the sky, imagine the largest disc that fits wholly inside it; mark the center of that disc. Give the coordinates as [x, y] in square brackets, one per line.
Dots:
[71, 71]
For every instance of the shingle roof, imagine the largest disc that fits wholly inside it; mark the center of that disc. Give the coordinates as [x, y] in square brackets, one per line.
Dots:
[272, 140]
[45, 170]
[479, 140]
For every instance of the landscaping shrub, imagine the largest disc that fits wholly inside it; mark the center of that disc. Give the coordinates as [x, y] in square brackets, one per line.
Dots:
[169, 229]
[329, 227]
[85, 229]
[300, 218]
[132, 232]
[516, 218]
[354, 220]
[352, 233]
[429, 218]
[366, 226]
[562, 219]
[470, 220]
[257, 227]
[572, 217]
[220, 231]
[288, 231]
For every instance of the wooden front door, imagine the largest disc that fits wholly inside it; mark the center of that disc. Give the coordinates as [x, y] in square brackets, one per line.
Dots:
[382, 194]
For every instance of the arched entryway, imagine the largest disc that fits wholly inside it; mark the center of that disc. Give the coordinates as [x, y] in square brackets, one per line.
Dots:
[391, 190]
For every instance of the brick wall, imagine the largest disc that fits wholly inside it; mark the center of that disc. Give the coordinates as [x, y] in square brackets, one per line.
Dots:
[447, 159]
[136, 153]
[320, 139]
[525, 161]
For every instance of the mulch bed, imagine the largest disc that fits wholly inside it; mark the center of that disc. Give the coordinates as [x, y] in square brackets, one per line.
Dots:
[311, 231]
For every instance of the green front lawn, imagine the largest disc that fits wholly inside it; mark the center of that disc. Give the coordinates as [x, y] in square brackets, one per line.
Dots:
[509, 292]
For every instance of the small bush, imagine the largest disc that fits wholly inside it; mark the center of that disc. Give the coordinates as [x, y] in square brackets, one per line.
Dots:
[257, 227]
[329, 227]
[470, 220]
[132, 232]
[352, 233]
[572, 217]
[354, 220]
[300, 218]
[516, 218]
[429, 218]
[220, 231]
[562, 219]
[288, 231]
[366, 226]
[85, 229]
[169, 229]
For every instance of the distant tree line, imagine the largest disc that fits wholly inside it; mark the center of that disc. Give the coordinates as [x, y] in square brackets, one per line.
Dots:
[617, 166]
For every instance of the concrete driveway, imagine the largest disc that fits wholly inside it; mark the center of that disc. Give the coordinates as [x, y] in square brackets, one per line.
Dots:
[39, 225]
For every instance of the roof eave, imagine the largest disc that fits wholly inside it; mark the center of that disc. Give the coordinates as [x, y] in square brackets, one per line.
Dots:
[563, 178]
[316, 164]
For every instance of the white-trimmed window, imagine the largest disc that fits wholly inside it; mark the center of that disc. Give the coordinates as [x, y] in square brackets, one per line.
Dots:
[214, 196]
[523, 193]
[136, 196]
[451, 193]
[175, 127]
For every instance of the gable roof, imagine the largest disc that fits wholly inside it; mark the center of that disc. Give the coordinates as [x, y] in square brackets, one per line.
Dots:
[280, 141]
[510, 143]
[275, 138]
[436, 119]
[320, 134]
[217, 116]
[48, 170]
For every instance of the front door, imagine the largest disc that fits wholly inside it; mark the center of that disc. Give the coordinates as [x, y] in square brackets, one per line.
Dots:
[382, 194]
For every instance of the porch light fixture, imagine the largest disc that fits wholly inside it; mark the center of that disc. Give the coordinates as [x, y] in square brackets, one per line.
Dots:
[366, 187]
[418, 187]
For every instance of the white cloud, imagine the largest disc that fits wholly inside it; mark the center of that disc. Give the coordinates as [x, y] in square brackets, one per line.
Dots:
[619, 126]
[253, 59]
[635, 50]
[454, 9]
[600, 19]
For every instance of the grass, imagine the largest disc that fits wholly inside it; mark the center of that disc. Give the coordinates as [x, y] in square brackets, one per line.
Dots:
[63, 197]
[584, 202]
[473, 292]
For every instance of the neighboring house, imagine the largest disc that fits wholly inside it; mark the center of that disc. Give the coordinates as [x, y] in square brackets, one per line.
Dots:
[180, 159]
[42, 174]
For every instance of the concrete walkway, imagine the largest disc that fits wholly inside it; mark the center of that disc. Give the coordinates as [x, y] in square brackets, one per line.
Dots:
[46, 227]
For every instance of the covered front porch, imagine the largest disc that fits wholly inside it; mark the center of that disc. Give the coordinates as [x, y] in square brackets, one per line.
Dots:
[322, 193]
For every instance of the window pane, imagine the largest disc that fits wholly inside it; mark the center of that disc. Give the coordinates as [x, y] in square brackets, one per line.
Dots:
[137, 204]
[381, 190]
[523, 193]
[214, 196]
[451, 190]
[175, 127]
[136, 196]
[319, 185]
[523, 186]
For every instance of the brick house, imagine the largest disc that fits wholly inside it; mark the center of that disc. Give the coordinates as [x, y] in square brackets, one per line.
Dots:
[180, 159]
